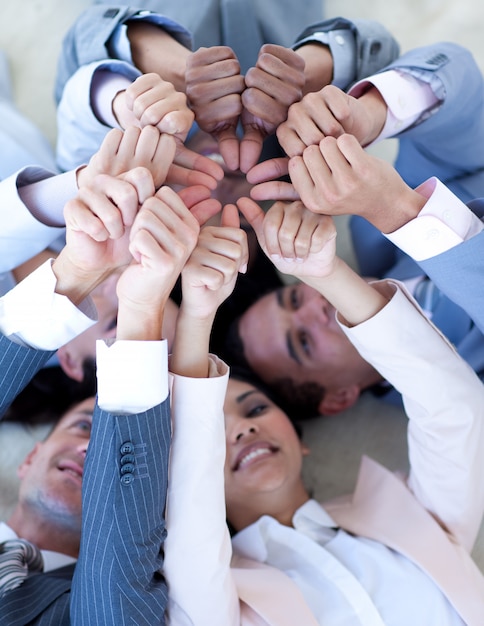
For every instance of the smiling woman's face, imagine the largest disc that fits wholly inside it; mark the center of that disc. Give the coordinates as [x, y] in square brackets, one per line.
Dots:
[264, 452]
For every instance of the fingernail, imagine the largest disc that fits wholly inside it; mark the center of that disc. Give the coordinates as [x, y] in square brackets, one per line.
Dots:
[276, 257]
[243, 268]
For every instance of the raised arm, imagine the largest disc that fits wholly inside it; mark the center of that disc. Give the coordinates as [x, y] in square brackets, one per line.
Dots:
[443, 397]
[127, 465]
[198, 548]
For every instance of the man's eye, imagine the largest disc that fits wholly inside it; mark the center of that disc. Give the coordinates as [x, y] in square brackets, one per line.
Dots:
[303, 339]
[294, 299]
[113, 323]
[83, 425]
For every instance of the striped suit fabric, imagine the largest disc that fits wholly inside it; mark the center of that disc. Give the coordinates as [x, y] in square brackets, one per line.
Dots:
[116, 579]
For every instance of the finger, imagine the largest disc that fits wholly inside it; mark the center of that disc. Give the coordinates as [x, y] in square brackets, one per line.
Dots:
[229, 147]
[289, 140]
[163, 156]
[110, 144]
[324, 232]
[194, 194]
[250, 148]
[208, 276]
[254, 216]
[115, 200]
[230, 216]
[205, 210]
[167, 219]
[201, 205]
[272, 232]
[268, 170]
[275, 190]
[265, 107]
[303, 242]
[142, 182]
[301, 170]
[127, 146]
[80, 218]
[197, 162]
[184, 177]
[350, 148]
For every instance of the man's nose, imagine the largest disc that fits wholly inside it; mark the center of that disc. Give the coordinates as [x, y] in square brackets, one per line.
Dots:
[312, 312]
[82, 448]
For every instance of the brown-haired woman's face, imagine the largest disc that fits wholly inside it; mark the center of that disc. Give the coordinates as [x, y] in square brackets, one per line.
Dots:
[264, 453]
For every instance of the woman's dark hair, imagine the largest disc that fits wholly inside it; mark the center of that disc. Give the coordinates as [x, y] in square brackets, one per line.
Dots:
[50, 394]
[246, 375]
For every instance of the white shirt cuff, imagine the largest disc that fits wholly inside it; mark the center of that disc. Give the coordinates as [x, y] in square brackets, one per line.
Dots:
[33, 315]
[46, 198]
[132, 375]
[407, 99]
[104, 87]
[444, 222]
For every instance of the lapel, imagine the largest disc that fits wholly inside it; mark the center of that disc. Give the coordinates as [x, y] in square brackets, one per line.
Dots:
[270, 594]
[26, 603]
[382, 508]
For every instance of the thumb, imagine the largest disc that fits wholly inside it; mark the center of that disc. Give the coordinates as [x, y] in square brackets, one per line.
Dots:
[230, 216]
[253, 214]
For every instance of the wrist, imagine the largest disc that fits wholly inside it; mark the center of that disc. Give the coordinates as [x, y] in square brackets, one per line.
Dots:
[155, 50]
[398, 211]
[200, 320]
[74, 282]
[139, 323]
[376, 113]
[318, 66]
[191, 346]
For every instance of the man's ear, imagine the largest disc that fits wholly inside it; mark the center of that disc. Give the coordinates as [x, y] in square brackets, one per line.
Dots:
[338, 399]
[71, 364]
[305, 450]
[27, 462]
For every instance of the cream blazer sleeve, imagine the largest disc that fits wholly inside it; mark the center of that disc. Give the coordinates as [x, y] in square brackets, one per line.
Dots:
[198, 548]
[444, 400]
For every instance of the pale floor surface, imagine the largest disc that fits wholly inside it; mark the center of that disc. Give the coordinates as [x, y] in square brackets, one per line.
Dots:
[31, 34]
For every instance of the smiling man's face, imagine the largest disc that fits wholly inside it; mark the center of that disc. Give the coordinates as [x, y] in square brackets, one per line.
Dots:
[51, 474]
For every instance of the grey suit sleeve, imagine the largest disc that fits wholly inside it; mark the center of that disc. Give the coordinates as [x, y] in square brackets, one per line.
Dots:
[17, 367]
[124, 490]
[359, 47]
[87, 40]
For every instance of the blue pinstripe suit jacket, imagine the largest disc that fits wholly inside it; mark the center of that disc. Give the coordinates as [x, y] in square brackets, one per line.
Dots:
[116, 578]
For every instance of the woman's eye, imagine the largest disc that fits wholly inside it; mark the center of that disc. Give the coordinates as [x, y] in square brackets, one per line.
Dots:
[256, 410]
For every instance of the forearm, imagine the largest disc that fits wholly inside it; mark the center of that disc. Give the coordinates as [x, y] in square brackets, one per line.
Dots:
[191, 345]
[354, 298]
[318, 69]
[155, 50]
[443, 399]
[197, 531]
